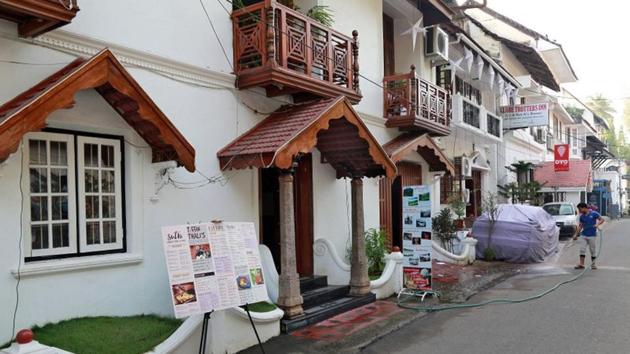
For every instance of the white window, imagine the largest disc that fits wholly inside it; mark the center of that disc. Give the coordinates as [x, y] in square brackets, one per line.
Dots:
[72, 187]
[100, 204]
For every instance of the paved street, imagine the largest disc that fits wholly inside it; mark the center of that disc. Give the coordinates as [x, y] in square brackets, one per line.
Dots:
[591, 315]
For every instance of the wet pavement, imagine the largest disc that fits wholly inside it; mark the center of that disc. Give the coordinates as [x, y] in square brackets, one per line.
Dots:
[591, 315]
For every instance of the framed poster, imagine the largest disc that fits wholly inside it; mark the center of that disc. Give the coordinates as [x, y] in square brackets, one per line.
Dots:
[417, 237]
[213, 266]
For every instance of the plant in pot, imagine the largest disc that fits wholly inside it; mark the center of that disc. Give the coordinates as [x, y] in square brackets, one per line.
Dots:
[493, 211]
[444, 229]
[458, 205]
[375, 250]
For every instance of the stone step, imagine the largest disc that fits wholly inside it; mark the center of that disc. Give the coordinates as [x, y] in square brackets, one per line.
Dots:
[325, 311]
[313, 282]
[321, 295]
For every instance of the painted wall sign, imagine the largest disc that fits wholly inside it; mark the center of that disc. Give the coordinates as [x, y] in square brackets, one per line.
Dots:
[417, 241]
[213, 266]
[561, 157]
[525, 115]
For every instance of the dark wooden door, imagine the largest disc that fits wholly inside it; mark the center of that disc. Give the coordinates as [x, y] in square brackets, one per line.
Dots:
[388, 46]
[474, 185]
[303, 208]
[303, 195]
[409, 174]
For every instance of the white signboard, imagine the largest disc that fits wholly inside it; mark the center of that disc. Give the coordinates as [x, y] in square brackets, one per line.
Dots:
[213, 266]
[417, 243]
[525, 115]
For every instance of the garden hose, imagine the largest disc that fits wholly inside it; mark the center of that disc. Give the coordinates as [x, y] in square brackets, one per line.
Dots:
[505, 301]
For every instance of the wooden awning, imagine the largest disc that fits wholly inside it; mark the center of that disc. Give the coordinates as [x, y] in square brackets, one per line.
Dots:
[330, 125]
[28, 111]
[408, 143]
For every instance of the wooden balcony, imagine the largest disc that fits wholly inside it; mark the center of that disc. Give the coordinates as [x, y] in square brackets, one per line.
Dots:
[411, 103]
[35, 17]
[287, 52]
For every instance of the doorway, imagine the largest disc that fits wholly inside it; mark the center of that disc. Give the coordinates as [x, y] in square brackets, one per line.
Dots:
[473, 209]
[409, 174]
[303, 204]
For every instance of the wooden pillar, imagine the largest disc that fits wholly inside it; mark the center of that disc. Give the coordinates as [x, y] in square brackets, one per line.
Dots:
[359, 280]
[289, 297]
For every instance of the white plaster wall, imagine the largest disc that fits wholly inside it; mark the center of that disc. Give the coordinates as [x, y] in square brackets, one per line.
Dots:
[366, 16]
[209, 119]
[174, 29]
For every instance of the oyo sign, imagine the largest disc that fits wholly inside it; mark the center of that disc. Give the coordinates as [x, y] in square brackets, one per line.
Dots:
[561, 157]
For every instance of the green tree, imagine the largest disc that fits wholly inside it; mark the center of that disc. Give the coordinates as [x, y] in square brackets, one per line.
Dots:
[603, 107]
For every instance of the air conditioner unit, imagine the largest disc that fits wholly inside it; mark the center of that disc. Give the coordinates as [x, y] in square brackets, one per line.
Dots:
[436, 45]
[465, 166]
[467, 195]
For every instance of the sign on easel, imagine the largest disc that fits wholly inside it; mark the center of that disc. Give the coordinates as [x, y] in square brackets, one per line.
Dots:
[417, 243]
[213, 266]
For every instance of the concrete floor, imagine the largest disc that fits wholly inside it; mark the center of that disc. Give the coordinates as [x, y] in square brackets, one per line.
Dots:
[591, 315]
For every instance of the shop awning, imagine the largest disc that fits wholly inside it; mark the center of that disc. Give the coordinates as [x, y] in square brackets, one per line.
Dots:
[103, 72]
[408, 143]
[580, 175]
[330, 125]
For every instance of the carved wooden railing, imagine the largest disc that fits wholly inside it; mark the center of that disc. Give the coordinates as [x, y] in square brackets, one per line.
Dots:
[269, 35]
[414, 103]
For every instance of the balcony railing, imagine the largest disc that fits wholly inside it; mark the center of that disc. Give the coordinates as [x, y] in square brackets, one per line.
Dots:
[474, 117]
[411, 103]
[35, 17]
[287, 52]
[493, 125]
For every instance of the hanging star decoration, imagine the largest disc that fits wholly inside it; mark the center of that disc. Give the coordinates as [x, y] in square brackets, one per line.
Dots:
[413, 31]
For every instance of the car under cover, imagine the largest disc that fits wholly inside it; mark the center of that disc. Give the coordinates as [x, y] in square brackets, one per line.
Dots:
[521, 234]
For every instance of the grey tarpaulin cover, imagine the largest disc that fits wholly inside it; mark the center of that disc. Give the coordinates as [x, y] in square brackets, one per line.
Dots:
[522, 234]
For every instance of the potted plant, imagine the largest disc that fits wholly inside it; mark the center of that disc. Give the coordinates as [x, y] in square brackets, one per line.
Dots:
[375, 250]
[458, 205]
[493, 211]
[444, 229]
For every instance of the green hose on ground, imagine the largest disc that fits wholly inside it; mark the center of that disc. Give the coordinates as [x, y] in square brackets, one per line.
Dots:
[505, 301]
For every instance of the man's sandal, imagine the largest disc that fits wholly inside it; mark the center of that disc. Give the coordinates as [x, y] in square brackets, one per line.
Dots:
[579, 267]
[593, 266]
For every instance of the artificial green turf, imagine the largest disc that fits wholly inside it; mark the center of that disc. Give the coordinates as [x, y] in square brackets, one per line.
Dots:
[107, 335]
[262, 306]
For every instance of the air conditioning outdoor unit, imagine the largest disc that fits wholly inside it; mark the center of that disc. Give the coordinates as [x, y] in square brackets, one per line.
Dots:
[436, 47]
[465, 165]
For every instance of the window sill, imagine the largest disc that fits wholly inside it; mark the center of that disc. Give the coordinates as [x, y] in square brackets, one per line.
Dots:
[75, 264]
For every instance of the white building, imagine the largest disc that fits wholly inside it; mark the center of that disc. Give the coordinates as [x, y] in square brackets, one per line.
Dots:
[88, 155]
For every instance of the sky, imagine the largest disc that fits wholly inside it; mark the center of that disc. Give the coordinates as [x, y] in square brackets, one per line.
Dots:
[592, 35]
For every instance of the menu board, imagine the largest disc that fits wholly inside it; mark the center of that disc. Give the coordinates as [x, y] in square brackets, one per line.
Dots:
[417, 243]
[213, 266]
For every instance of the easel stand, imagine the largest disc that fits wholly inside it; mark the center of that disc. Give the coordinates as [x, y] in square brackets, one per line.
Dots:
[422, 294]
[254, 327]
[204, 332]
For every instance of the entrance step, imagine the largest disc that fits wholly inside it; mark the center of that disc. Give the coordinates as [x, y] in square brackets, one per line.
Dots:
[325, 311]
[313, 282]
[324, 294]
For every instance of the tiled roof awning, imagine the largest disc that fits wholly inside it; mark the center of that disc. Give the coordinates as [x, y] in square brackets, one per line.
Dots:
[330, 125]
[408, 143]
[580, 175]
[28, 111]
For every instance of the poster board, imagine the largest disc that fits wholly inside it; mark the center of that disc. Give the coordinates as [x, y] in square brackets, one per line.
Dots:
[213, 266]
[417, 237]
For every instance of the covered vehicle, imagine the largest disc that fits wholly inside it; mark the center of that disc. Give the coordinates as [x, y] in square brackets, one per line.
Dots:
[521, 234]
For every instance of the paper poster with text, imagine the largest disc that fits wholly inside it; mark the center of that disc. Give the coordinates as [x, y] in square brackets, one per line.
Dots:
[213, 266]
[417, 237]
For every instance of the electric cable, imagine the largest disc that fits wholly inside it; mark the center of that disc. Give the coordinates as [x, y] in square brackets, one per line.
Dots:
[430, 309]
[20, 241]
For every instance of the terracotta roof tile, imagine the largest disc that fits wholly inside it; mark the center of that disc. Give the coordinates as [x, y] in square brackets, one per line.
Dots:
[579, 176]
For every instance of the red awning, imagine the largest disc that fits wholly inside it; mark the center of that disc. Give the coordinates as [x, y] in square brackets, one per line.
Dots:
[407, 143]
[580, 175]
[28, 111]
[330, 125]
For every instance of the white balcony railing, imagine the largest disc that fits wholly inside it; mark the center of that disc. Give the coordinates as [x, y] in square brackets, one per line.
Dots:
[470, 115]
